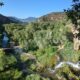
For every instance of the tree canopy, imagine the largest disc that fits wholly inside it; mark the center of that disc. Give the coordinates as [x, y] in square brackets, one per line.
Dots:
[73, 13]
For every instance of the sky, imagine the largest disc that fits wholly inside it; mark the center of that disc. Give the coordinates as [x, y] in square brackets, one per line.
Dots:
[33, 8]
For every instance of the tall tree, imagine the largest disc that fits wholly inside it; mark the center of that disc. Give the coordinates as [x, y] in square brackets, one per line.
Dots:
[73, 14]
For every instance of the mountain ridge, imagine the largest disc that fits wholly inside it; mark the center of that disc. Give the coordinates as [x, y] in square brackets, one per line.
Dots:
[48, 17]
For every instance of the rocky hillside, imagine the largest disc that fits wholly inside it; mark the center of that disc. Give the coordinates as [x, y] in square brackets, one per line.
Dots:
[54, 16]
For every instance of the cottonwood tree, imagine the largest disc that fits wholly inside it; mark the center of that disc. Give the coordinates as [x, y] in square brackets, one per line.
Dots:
[73, 14]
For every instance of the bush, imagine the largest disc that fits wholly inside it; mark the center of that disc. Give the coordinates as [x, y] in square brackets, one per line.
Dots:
[47, 56]
[35, 77]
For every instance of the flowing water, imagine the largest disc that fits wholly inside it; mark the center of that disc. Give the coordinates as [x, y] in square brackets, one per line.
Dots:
[73, 65]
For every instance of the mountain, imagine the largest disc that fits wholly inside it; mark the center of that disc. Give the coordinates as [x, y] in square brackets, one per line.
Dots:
[4, 19]
[29, 19]
[15, 19]
[54, 16]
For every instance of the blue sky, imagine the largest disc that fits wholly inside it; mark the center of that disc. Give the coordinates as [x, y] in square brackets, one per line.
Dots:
[33, 8]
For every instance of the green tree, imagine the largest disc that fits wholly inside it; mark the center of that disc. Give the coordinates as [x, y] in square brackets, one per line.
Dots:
[74, 15]
[74, 12]
[8, 67]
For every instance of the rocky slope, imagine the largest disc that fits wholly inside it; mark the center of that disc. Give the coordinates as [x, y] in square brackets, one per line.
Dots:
[54, 16]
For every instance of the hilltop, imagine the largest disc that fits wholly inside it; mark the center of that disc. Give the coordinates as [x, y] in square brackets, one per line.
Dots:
[54, 16]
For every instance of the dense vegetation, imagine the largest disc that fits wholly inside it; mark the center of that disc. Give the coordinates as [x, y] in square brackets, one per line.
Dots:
[42, 40]
[41, 46]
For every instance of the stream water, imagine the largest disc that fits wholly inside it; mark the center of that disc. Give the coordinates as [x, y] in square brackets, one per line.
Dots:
[73, 65]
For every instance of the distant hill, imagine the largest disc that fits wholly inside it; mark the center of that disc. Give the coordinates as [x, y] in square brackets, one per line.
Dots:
[15, 19]
[10, 19]
[29, 19]
[54, 16]
[4, 19]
